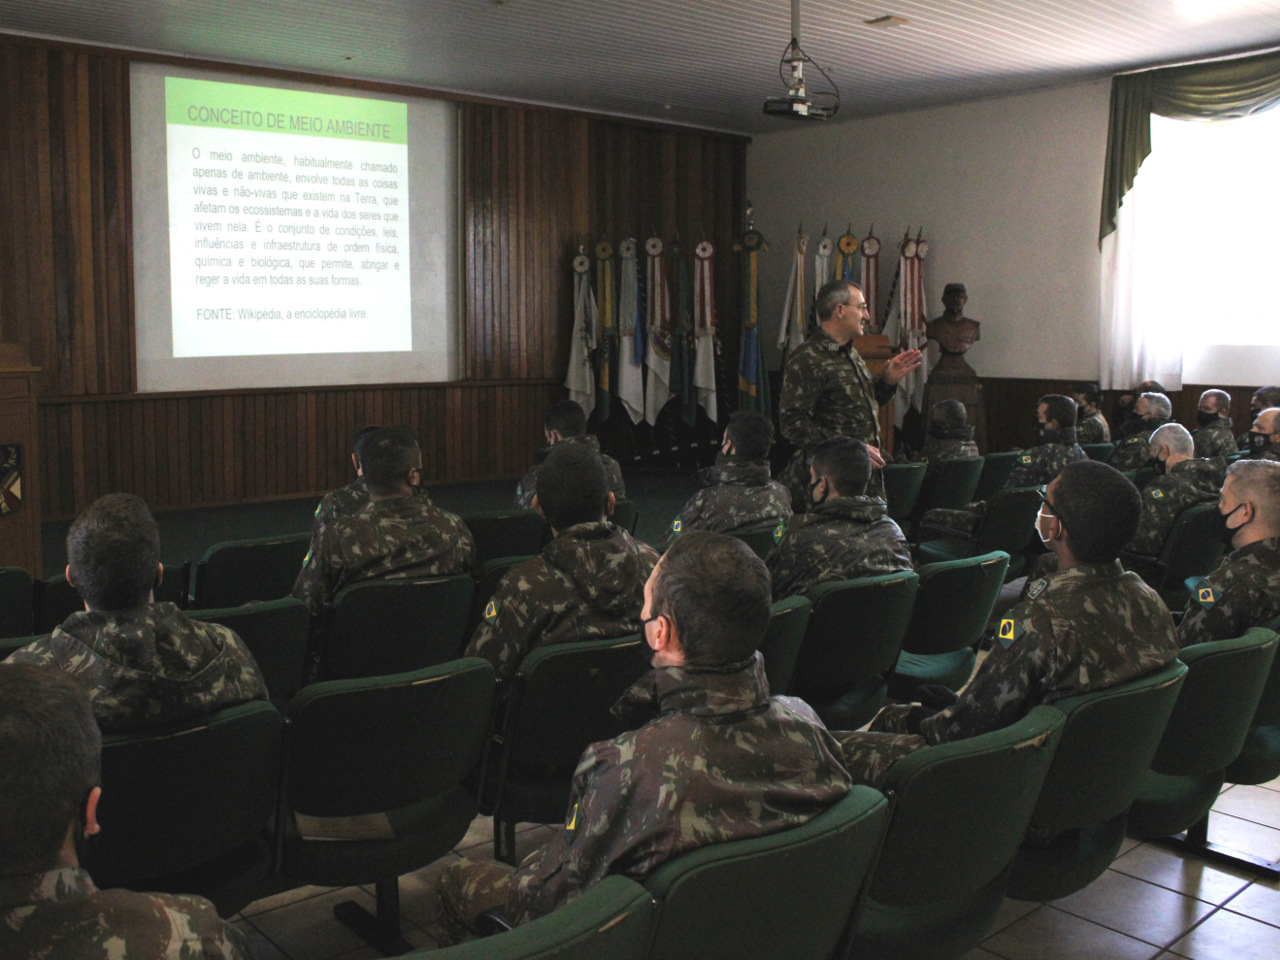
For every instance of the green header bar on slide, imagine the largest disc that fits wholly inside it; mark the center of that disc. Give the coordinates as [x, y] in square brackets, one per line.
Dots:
[236, 106]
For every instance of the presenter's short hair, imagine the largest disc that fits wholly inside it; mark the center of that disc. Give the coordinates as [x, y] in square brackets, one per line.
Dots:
[113, 550]
[387, 456]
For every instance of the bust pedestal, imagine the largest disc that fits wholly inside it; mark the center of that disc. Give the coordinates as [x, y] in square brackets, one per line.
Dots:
[953, 379]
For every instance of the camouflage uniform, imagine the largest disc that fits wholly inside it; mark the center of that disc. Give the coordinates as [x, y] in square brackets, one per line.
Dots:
[1186, 484]
[149, 666]
[739, 494]
[61, 915]
[1270, 452]
[1086, 628]
[343, 502]
[1215, 440]
[827, 391]
[1093, 429]
[528, 485]
[587, 584]
[1243, 592]
[948, 448]
[717, 760]
[839, 539]
[1134, 450]
[401, 538]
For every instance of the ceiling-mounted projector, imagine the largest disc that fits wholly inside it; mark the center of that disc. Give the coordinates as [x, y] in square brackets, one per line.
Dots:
[799, 104]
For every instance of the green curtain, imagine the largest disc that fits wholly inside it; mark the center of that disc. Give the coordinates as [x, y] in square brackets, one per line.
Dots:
[1222, 90]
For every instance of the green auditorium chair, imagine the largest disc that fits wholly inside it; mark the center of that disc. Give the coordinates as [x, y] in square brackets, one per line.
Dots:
[10, 644]
[1191, 550]
[949, 484]
[1007, 524]
[1098, 451]
[626, 514]
[788, 894]
[380, 627]
[996, 468]
[276, 634]
[56, 599]
[959, 814]
[951, 611]
[399, 745]
[852, 641]
[188, 808]
[238, 571]
[1205, 734]
[761, 540]
[902, 483]
[17, 602]
[788, 621]
[1107, 746]
[487, 577]
[558, 704]
[611, 920]
[505, 533]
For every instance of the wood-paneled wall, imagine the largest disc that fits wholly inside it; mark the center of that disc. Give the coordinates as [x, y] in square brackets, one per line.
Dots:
[536, 183]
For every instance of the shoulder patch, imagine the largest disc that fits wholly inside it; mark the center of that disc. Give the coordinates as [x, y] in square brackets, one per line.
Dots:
[571, 822]
[1157, 493]
[307, 558]
[1008, 632]
[318, 506]
[1037, 588]
[490, 612]
[1026, 458]
[778, 532]
[1205, 595]
[676, 525]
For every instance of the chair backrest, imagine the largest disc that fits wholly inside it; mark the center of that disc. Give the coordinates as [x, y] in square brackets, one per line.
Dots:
[1009, 521]
[1098, 451]
[55, 600]
[487, 576]
[505, 533]
[995, 470]
[960, 810]
[612, 919]
[902, 483]
[788, 620]
[950, 484]
[626, 514]
[855, 630]
[761, 540]
[276, 634]
[1192, 547]
[1110, 737]
[1268, 712]
[184, 794]
[1215, 707]
[17, 602]
[358, 747]
[788, 894]
[954, 603]
[380, 627]
[238, 571]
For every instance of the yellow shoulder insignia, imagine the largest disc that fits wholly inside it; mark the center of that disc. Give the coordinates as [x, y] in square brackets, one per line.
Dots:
[491, 611]
[318, 506]
[1008, 632]
[778, 532]
[1026, 458]
[572, 823]
[307, 558]
[1205, 595]
[1157, 493]
[676, 525]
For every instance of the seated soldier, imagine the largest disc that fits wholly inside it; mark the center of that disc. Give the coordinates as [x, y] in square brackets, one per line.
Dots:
[565, 422]
[1055, 428]
[588, 582]
[716, 758]
[1091, 425]
[949, 437]
[845, 534]
[144, 663]
[1181, 481]
[1213, 437]
[397, 534]
[1244, 591]
[1125, 418]
[50, 751]
[1264, 436]
[347, 500]
[1153, 411]
[1086, 627]
[739, 491]
[1262, 398]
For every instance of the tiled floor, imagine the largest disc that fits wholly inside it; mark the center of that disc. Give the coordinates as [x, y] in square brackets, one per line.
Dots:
[1152, 903]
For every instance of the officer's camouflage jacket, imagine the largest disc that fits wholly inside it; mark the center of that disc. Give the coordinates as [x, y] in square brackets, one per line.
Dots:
[528, 484]
[1134, 450]
[1269, 452]
[61, 915]
[948, 448]
[1215, 440]
[149, 666]
[587, 584]
[737, 494]
[1243, 592]
[1038, 465]
[1093, 429]
[1186, 484]
[717, 760]
[343, 502]
[840, 539]
[403, 538]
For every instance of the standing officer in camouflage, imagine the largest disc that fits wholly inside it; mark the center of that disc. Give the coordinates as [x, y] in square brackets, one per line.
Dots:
[50, 751]
[144, 663]
[1153, 411]
[1262, 398]
[716, 758]
[845, 534]
[1088, 626]
[827, 390]
[347, 500]
[1181, 481]
[1213, 437]
[1091, 425]
[398, 534]
[1244, 591]
[1264, 436]
[565, 422]
[587, 584]
[738, 490]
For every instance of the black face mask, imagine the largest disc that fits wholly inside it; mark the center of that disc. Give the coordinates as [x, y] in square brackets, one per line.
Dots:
[1258, 441]
[1039, 428]
[1204, 417]
[1227, 534]
[814, 486]
[1156, 464]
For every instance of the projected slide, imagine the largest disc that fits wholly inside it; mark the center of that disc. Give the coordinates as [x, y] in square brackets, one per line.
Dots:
[288, 221]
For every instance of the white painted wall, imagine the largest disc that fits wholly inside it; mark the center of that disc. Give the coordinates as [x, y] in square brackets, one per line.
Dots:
[1007, 190]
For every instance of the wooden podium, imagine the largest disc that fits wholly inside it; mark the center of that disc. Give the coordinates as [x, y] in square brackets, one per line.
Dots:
[875, 350]
[19, 462]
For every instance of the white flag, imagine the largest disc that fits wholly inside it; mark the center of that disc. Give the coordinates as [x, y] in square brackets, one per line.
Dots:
[630, 376]
[581, 378]
[704, 326]
[658, 327]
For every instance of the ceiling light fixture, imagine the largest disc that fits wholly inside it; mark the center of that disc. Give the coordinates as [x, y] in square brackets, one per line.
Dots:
[799, 104]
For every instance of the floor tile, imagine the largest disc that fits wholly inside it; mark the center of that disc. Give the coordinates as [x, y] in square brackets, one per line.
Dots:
[263, 949]
[1229, 936]
[1251, 803]
[296, 895]
[308, 930]
[419, 898]
[1246, 835]
[1050, 934]
[1136, 908]
[1260, 900]
[480, 831]
[1010, 911]
[1183, 873]
[418, 939]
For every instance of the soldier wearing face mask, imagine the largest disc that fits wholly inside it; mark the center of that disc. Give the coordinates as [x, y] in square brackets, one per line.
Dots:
[1091, 425]
[1213, 438]
[1153, 411]
[1244, 591]
[1262, 398]
[1264, 436]
[1181, 481]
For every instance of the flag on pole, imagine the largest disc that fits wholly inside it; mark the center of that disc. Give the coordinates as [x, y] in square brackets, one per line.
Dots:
[658, 357]
[630, 376]
[871, 275]
[846, 250]
[682, 340]
[606, 328]
[704, 329]
[794, 310]
[906, 328]
[753, 381]
[581, 378]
